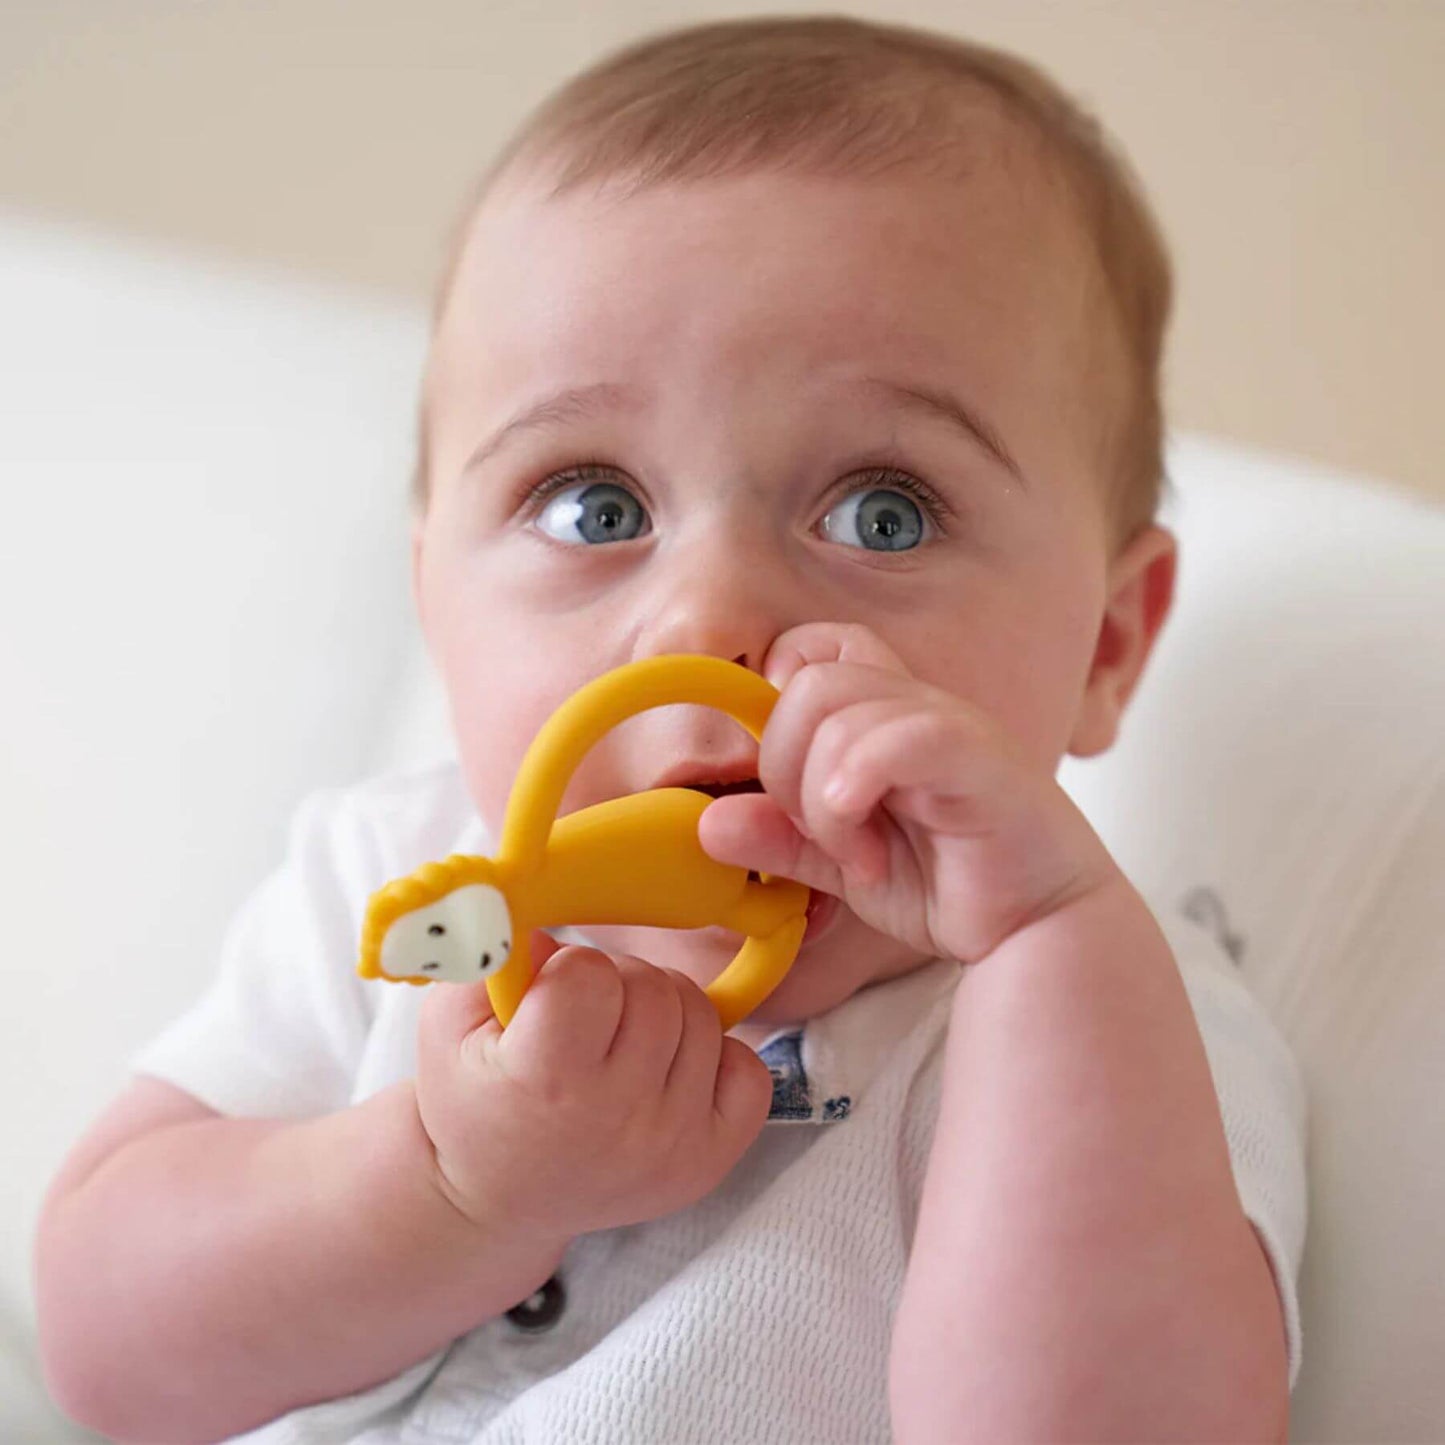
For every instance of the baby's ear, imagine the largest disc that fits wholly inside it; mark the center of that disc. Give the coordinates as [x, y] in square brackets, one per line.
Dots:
[1141, 588]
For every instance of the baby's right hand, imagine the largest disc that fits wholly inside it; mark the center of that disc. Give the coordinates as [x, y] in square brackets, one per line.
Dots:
[613, 1096]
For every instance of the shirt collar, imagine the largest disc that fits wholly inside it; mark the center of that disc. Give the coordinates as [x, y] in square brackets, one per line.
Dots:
[822, 1067]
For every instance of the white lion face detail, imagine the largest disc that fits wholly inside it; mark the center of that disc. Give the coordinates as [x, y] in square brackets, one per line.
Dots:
[461, 938]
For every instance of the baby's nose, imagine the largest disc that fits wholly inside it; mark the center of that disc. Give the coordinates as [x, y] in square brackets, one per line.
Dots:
[709, 629]
[712, 607]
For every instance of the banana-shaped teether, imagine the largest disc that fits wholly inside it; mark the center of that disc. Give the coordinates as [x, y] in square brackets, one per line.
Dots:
[631, 860]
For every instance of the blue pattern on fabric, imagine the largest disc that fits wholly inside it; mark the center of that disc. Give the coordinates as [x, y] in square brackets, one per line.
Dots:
[792, 1092]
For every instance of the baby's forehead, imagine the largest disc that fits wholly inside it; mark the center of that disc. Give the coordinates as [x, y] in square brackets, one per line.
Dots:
[780, 279]
[993, 155]
[1004, 237]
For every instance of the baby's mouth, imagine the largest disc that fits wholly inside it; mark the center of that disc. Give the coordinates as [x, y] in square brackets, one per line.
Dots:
[723, 790]
[822, 911]
[822, 907]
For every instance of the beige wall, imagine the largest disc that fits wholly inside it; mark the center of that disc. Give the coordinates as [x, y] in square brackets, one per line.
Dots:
[1294, 149]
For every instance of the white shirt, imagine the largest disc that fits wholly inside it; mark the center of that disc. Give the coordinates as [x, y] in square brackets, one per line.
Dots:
[761, 1313]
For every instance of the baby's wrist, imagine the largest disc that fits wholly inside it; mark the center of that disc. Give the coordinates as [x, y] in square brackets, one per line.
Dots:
[1109, 914]
[472, 1219]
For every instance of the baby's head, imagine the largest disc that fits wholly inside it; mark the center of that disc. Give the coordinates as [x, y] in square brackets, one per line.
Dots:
[780, 321]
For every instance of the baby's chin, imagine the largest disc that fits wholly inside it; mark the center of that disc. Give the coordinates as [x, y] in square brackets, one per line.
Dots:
[700, 953]
[842, 957]
[712, 948]
[703, 953]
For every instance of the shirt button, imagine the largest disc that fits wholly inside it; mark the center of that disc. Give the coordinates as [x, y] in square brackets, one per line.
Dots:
[542, 1310]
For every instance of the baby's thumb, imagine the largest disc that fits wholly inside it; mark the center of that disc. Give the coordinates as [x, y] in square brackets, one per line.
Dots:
[453, 1011]
[743, 1095]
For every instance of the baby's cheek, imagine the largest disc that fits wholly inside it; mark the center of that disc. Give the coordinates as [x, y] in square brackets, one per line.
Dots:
[488, 784]
[491, 739]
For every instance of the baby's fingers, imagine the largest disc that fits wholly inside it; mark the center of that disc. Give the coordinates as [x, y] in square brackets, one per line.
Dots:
[742, 1097]
[721, 1073]
[749, 830]
[452, 1011]
[568, 1017]
[945, 769]
[811, 642]
[845, 778]
[809, 710]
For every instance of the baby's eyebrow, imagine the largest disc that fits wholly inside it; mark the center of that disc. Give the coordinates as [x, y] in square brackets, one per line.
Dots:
[565, 405]
[580, 401]
[934, 402]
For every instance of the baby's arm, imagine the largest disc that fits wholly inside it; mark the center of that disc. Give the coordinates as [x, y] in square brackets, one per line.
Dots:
[1082, 1268]
[198, 1274]
[1082, 1265]
[205, 1274]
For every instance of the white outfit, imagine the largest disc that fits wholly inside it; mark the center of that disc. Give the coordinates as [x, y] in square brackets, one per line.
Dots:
[763, 1312]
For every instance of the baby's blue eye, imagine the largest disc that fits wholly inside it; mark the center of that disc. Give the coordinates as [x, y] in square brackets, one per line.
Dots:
[885, 520]
[593, 512]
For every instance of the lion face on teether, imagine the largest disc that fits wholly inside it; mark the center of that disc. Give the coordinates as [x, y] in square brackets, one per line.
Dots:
[463, 937]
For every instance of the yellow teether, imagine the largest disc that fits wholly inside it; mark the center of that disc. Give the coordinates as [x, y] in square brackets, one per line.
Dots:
[631, 860]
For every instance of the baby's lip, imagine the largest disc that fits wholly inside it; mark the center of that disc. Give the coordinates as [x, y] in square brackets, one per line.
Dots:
[716, 779]
[739, 775]
[723, 790]
[823, 910]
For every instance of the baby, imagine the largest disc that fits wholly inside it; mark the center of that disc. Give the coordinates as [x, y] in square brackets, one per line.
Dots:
[832, 349]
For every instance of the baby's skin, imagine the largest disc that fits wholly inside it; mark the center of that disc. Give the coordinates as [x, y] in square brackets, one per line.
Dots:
[941, 595]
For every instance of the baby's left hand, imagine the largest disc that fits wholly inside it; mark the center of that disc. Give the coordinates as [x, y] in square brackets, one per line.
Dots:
[902, 800]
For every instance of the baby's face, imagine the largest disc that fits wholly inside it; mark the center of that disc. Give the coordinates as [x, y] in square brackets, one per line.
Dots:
[796, 400]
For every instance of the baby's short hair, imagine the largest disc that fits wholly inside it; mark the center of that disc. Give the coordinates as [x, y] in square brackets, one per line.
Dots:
[838, 96]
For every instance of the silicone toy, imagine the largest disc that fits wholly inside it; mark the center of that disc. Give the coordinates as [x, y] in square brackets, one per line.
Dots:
[634, 859]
